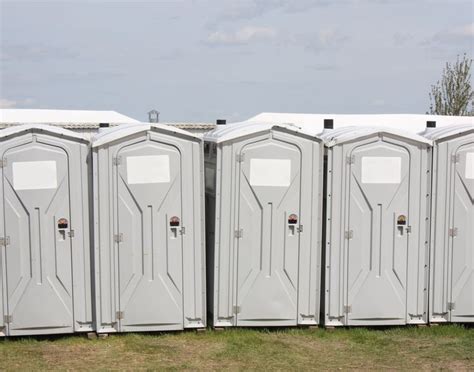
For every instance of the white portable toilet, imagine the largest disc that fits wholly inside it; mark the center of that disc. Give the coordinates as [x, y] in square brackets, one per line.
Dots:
[377, 227]
[45, 269]
[264, 208]
[452, 232]
[149, 229]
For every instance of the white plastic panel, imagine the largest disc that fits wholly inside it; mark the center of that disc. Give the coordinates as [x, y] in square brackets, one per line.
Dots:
[34, 175]
[148, 169]
[270, 172]
[469, 165]
[381, 169]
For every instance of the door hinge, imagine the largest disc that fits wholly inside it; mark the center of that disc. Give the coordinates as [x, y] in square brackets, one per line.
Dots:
[349, 234]
[451, 305]
[236, 309]
[71, 233]
[3, 163]
[239, 234]
[118, 238]
[455, 158]
[350, 159]
[119, 315]
[117, 160]
[240, 158]
[4, 241]
[300, 229]
[8, 319]
[347, 309]
[408, 229]
[453, 232]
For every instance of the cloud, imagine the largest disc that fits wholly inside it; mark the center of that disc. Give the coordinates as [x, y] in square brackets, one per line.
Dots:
[324, 40]
[34, 53]
[322, 67]
[7, 103]
[401, 38]
[244, 35]
[256, 8]
[457, 35]
[378, 102]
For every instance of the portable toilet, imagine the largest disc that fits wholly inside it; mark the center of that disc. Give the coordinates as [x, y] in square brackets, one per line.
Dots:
[149, 229]
[377, 227]
[452, 232]
[264, 208]
[45, 271]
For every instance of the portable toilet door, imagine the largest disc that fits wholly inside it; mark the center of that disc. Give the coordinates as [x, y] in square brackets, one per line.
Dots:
[266, 188]
[377, 227]
[45, 258]
[452, 245]
[149, 229]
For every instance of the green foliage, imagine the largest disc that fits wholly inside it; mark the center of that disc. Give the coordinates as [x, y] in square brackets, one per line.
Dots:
[453, 94]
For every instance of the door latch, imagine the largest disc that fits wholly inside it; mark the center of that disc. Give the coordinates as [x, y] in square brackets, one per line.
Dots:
[4, 241]
[453, 232]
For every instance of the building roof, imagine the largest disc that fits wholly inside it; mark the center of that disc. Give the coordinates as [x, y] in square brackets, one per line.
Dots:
[112, 134]
[410, 122]
[342, 135]
[228, 132]
[17, 129]
[437, 134]
[80, 119]
[72, 119]
[192, 126]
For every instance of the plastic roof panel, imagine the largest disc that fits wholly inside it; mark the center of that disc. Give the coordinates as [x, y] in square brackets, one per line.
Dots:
[437, 134]
[41, 128]
[115, 133]
[337, 136]
[233, 131]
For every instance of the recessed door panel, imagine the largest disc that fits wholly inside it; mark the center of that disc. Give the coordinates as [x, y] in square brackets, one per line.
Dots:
[377, 233]
[149, 236]
[37, 224]
[462, 276]
[268, 233]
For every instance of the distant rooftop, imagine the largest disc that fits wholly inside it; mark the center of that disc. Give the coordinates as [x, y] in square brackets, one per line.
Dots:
[64, 118]
[79, 119]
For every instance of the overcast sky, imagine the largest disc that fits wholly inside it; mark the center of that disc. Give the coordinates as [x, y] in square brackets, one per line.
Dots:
[198, 60]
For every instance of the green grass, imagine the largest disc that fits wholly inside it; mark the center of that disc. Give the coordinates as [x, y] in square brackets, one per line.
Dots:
[443, 347]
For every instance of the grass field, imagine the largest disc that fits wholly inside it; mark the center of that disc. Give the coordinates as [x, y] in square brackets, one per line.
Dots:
[443, 347]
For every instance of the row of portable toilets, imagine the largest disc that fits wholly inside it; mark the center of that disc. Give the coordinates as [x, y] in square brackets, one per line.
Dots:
[351, 226]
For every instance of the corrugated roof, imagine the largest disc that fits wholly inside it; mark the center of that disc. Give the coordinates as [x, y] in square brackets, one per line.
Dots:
[436, 134]
[341, 135]
[410, 122]
[192, 126]
[229, 132]
[73, 119]
[115, 133]
[41, 128]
